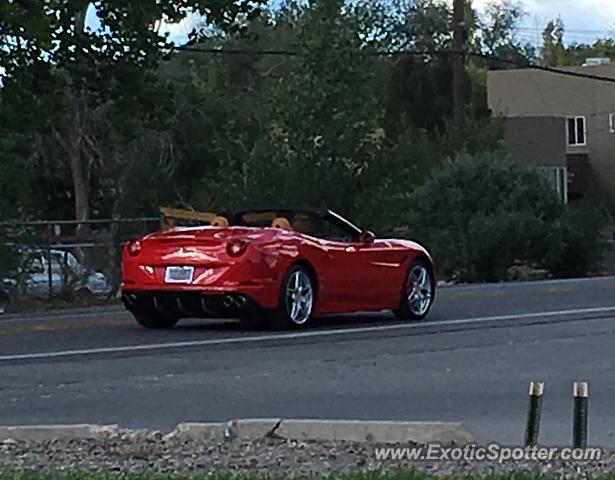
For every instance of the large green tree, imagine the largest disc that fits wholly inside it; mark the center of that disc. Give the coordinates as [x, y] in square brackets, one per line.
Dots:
[70, 81]
[578, 53]
[302, 128]
[553, 49]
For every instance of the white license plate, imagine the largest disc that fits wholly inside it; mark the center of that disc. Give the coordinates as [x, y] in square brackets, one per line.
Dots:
[179, 274]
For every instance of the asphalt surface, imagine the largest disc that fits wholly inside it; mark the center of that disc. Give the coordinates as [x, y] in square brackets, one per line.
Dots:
[471, 360]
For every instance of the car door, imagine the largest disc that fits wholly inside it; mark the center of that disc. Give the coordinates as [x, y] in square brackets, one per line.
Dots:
[378, 269]
[362, 276]
[36, 282]
[338, 280]
[359, 275]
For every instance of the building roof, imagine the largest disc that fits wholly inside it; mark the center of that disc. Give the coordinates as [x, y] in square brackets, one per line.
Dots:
[531, 92]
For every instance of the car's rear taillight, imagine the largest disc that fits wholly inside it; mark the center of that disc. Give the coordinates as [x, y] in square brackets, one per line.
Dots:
[236, 248]
[134, 248]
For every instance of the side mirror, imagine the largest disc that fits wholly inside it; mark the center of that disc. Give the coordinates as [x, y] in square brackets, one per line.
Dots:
[367, 237]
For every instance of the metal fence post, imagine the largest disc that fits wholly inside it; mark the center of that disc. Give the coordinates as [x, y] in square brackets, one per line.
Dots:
[580, 414]
[532, 427]
[64, 285]
[49, 272]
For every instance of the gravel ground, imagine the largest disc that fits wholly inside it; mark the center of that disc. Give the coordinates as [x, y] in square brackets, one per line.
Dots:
[152, 453]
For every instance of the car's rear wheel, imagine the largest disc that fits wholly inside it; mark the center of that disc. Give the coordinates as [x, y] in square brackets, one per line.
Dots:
[297, 299]
[155, 320]
[417, 292]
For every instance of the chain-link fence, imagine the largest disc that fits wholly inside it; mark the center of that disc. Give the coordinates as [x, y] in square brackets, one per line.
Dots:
[65, 259]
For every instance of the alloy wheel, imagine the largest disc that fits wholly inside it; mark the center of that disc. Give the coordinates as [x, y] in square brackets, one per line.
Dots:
[419, 290]
[299, 297]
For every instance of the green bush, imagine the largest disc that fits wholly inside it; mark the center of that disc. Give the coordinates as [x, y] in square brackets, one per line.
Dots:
[482, 215]
[578, 244]
[6, 257]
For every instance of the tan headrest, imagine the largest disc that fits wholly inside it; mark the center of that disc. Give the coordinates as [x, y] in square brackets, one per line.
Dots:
[283, 223]
[219, 221]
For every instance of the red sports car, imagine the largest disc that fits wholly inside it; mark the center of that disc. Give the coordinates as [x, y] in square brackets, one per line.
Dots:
[279, 266]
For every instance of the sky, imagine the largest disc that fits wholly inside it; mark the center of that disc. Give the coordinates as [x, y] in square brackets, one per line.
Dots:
[584, 20]
[178, 32]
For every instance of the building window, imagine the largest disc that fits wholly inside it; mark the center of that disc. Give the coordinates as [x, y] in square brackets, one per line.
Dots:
[557, 177]
[611, 122]
[577, 133]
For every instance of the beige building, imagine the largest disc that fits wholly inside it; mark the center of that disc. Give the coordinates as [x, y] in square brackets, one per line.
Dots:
[563, 123]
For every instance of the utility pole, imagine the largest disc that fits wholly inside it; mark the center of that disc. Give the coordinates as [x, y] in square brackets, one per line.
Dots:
[459, 69]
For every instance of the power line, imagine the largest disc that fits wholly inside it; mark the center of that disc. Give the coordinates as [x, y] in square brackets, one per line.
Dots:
[398, 53]
[237, 51]
[251, 51]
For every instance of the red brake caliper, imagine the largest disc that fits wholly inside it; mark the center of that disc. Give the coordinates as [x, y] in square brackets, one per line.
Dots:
[409, 287]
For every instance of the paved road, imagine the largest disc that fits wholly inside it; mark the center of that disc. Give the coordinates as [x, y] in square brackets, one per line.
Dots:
[471, 361]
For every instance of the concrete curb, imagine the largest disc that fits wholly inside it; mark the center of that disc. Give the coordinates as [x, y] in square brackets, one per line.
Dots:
[253, 429]
[329, 430]
[48, 433]
[200, 431]
[379, 432]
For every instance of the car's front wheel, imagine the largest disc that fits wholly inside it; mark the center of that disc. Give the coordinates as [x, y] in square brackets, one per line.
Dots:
[155, 320]
[297, 299]
[417, 292]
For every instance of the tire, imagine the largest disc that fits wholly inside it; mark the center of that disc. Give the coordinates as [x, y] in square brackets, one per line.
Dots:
[415, 303]
[297, 299]
[155, 321]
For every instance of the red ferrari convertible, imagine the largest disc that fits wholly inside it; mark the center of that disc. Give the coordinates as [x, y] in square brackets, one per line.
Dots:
[282, 267]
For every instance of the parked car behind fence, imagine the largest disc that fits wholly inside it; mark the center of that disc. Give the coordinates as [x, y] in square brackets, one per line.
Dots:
[55, 270]
[47, 259]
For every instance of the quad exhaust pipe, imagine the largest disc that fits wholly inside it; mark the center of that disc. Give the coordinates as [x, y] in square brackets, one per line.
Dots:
[228, 301]
[236, 301]
[186, 305]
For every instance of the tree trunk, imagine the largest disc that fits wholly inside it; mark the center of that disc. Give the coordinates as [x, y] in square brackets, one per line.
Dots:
[79, 164]
[459, 70]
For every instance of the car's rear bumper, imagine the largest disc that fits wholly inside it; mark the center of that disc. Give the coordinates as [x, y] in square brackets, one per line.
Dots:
[230, 298]
[257, 281]
[191, 303]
